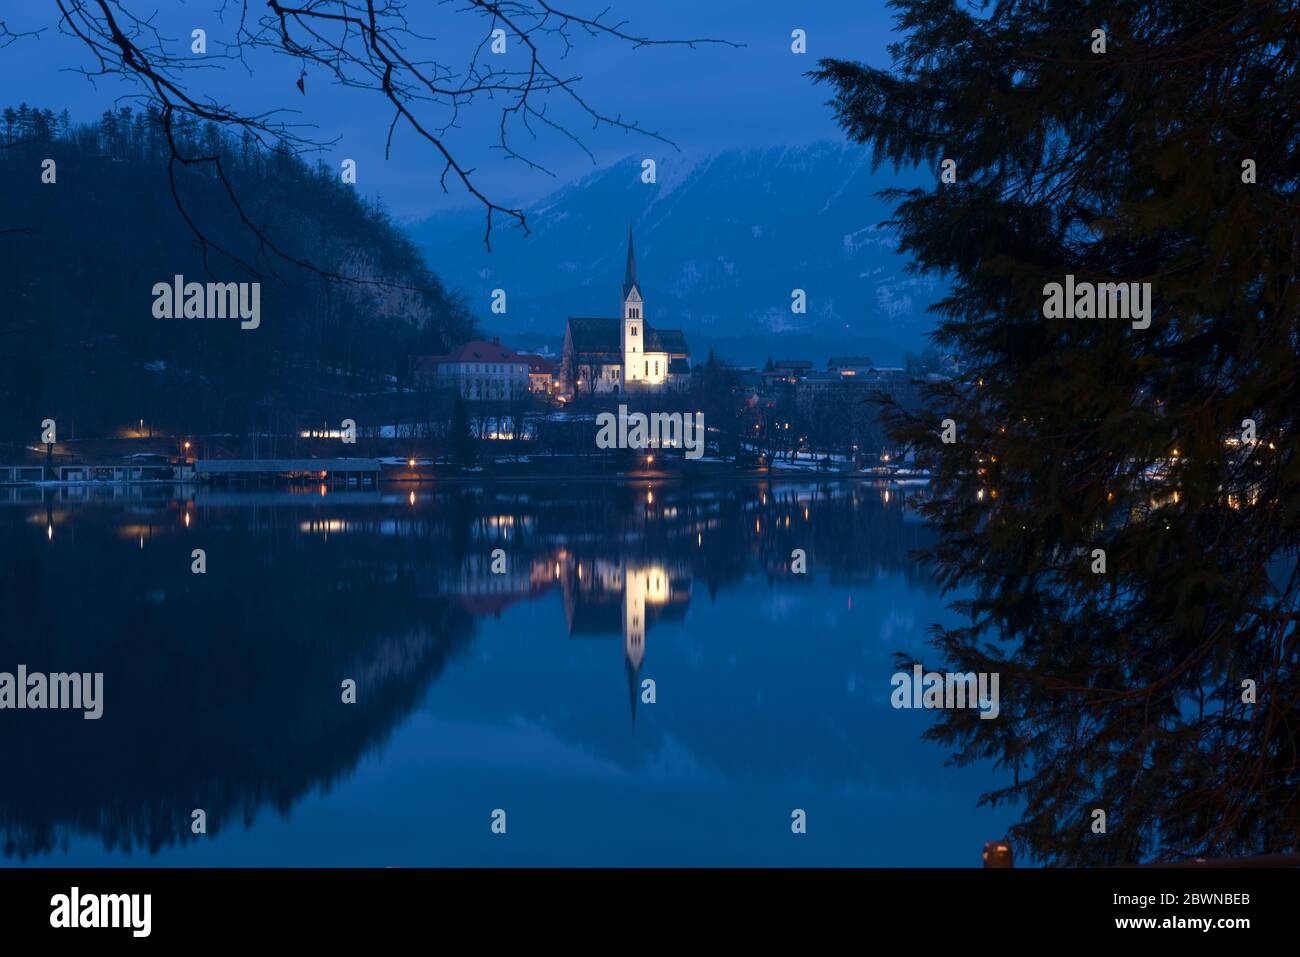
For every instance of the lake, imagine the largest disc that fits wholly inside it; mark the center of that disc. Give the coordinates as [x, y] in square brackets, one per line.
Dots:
[631, 672]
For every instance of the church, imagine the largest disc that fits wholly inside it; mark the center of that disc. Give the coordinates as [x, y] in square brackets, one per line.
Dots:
[627, 354]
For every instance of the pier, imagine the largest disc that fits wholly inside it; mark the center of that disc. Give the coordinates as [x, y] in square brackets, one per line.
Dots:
[346, 472]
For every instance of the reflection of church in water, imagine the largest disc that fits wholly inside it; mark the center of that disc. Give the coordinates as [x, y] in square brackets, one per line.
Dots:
[602, 596]
[622, 596]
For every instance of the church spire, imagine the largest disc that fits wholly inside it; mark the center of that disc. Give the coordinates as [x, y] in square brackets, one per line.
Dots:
[629, 277]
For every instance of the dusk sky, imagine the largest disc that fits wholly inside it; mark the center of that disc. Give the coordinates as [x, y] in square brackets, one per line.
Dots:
[705, 99]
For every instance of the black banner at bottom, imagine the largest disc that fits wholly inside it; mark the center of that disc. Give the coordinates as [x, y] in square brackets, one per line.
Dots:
[331, 906]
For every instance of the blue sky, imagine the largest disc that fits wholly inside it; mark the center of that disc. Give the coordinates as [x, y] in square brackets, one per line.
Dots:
[704, 99]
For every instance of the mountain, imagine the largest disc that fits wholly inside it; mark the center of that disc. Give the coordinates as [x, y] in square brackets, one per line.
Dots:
[721, 242]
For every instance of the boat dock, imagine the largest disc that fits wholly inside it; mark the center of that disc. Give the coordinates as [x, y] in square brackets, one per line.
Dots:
[332, 472]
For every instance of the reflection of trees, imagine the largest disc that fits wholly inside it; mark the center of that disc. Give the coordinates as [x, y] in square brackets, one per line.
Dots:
[221, 692]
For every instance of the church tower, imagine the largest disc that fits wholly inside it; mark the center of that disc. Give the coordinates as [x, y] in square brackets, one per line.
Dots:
[633, 334]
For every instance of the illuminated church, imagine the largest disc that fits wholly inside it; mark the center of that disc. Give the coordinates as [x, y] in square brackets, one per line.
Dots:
[626, 354]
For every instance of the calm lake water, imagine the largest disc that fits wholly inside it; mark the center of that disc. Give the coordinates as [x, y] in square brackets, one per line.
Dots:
[476, 691]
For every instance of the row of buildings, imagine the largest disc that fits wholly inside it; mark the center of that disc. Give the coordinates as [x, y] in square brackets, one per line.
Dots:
[843, 375]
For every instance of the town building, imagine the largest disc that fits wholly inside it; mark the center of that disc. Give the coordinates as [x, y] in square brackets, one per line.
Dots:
[542, 379]
[624, 354]
[477, 371]
[850, 365]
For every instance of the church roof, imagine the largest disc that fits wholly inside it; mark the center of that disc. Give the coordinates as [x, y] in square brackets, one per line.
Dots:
[605, 336]
[665, 340]
[596, 335]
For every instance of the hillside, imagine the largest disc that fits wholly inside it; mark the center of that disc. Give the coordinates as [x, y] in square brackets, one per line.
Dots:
[79, 257]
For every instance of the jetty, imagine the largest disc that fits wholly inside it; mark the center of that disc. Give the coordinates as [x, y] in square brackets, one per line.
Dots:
[346, 472]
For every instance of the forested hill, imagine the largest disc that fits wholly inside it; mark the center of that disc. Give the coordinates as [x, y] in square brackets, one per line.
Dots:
[79, 258]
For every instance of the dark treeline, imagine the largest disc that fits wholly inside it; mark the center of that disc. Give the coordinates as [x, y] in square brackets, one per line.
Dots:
[79, 257]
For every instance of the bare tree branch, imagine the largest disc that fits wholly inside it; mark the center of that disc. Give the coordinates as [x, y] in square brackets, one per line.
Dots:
[371, 45]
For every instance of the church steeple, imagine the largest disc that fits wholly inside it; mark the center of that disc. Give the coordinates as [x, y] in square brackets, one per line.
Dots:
[629, 275]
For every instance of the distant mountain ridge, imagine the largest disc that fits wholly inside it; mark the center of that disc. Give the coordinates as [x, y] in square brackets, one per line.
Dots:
[722, 241]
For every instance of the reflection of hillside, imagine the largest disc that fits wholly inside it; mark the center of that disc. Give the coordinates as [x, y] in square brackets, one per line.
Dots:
[222, 691]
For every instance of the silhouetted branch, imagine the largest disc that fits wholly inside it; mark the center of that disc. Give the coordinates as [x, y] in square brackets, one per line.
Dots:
[370, 45]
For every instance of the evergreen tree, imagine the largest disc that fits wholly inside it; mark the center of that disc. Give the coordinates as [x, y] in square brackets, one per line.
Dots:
[1172, 449]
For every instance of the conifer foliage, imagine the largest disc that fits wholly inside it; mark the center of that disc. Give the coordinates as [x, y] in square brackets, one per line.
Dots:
[1120, 506]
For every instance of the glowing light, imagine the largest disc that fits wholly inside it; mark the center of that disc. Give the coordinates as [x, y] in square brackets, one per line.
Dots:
[886, 496]
[411, 498]
[979, 496]
[410, 463]
[322, 490]
[187, 519]
[649, 497]
[699, 539]
[49, 532]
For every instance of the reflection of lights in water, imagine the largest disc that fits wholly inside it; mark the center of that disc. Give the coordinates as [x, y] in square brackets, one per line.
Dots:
[141, 543]
[805, 514]
[411, 498]
[49, 532]
[757, 527]
[326, 525]
[557, 569]
[649, 497]
[699, 539]
[322, 490]
[979, 496]
[187, 519]
[886, 496]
